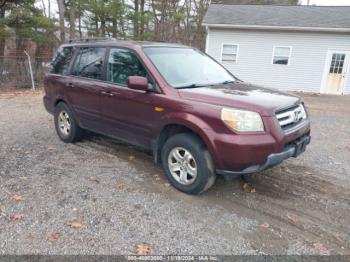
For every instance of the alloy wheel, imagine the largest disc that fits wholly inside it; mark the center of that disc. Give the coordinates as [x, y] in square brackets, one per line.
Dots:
[182, 165]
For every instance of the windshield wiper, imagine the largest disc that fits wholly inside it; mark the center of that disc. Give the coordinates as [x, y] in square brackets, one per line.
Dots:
[191, 86]
[203, 85]
[228, 82]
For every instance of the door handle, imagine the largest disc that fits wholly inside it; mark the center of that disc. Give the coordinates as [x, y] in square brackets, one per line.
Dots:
[70, 85]
[106, 93]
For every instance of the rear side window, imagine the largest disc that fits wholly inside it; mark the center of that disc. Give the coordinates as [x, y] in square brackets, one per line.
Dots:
[89, 62]
[61, 62]
[123, 63]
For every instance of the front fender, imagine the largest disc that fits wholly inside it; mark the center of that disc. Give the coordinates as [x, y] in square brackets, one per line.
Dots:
[192, 122]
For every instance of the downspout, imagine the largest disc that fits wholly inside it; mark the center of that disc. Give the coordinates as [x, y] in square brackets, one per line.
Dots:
[207, 40]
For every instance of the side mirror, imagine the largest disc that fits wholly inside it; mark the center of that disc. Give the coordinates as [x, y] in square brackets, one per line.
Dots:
[138, 83]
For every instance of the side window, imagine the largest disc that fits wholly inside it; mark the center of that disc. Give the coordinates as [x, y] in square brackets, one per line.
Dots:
[89, 62]
[281, 55]
[61, 62]
[123, 63]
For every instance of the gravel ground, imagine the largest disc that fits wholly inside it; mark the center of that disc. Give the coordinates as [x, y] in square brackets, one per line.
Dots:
[116, 198]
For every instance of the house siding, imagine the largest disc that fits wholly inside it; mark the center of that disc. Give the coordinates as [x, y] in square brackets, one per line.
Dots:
[254, 65]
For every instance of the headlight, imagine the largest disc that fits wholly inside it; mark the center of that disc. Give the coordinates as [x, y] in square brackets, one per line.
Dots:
[303, 111]
[242, 120]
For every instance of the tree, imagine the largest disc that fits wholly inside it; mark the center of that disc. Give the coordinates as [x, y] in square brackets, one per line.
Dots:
[103, 16]
[28, 27]
[71, 6]
[61, 9]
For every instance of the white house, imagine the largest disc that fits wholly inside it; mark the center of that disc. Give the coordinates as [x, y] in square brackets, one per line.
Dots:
[297, 48]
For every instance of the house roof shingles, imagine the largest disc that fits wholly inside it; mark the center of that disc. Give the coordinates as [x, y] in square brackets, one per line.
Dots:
[337, 17]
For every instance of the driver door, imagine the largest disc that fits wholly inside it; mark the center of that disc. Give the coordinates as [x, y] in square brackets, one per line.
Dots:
[127, 114]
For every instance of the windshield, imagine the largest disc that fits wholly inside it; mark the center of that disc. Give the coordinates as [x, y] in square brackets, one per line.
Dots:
[187, 67]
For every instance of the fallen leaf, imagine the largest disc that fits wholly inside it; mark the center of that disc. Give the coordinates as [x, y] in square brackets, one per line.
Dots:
[321, 249]
[131, 158]
[143, 250]
[73, 224]
[167, 184]
[79, 216]
[293, 218]
[307, 173]
[138, 206]
[51, 147]
[94, 179]
[338, 237]
[16, 198]
[17, 216]
[55, 235]
[264, 225]
[23, 177]
[248, 188]
[119, 184]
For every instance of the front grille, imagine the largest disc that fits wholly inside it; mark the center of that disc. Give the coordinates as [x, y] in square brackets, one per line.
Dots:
[291, 117]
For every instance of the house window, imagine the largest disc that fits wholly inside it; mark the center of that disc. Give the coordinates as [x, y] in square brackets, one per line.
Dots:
[229, 53]
[281, 55]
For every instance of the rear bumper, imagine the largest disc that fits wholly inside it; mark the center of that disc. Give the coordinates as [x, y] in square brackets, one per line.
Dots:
[294, 149]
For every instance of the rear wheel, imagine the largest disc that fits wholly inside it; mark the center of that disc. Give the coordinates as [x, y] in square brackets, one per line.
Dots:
[187, 163]
[66, 125]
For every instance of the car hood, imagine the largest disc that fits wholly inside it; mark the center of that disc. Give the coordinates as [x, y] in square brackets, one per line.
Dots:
[242, 95]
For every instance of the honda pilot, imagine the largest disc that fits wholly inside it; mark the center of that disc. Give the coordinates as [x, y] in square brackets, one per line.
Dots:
[196, 117]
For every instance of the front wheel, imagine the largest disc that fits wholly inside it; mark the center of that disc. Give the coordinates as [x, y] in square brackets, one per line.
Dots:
[187, 163]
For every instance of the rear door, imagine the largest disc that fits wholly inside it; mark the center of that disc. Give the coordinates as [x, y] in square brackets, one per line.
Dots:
[127, 114]
[84, 88]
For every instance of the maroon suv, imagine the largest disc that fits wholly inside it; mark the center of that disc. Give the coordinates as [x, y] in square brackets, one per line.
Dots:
[197, 118]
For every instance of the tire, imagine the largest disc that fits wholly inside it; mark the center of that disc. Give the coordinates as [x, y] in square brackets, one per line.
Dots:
[66, 125]
[185, 153]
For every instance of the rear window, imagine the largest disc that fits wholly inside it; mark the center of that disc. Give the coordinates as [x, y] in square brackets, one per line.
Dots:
[61, 62]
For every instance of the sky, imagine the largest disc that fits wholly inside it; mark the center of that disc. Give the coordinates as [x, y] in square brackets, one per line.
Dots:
[327, 2]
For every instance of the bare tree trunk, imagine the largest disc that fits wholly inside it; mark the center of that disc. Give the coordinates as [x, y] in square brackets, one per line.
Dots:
[96, 25]
[122, 27]
[60, 4]
[103, 28]
[2, 43]
[49, 9]
[44, 7]
[79, 20]
[142, 20]
[136, 19]
[115, 27]
[72, 20]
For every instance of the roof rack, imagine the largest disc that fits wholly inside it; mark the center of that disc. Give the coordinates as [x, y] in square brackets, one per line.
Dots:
[80, 40]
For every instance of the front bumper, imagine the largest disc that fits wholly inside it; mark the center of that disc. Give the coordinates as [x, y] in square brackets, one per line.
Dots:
[293, 149]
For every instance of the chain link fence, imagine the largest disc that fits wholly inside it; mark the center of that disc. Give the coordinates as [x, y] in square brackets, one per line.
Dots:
[24, 65]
